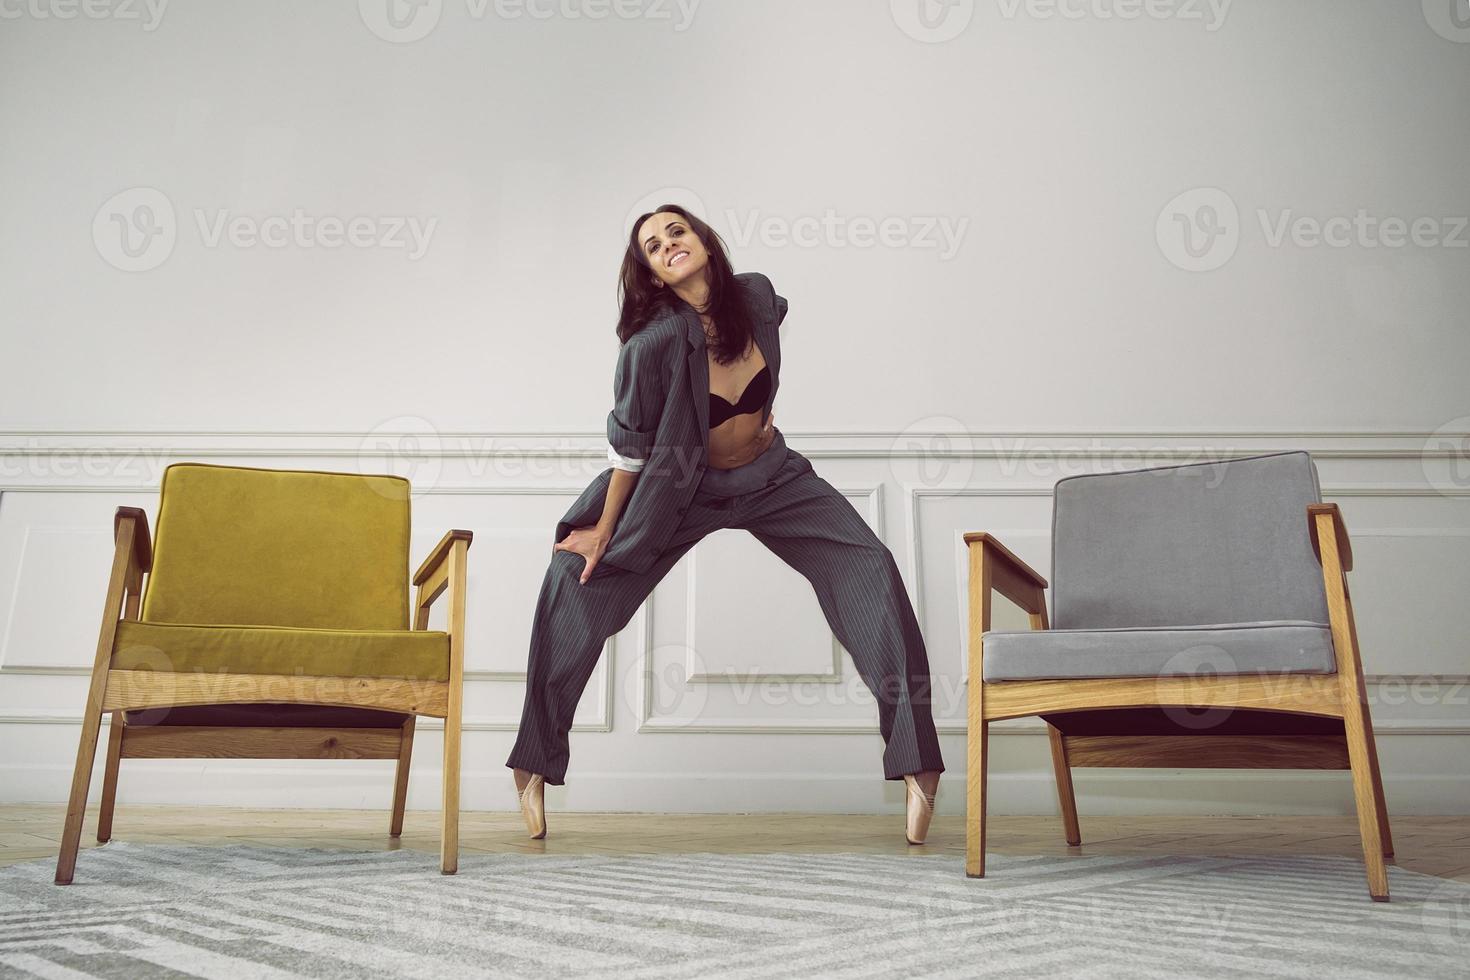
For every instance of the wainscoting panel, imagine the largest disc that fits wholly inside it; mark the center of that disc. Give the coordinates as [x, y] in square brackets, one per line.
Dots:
[730, 663]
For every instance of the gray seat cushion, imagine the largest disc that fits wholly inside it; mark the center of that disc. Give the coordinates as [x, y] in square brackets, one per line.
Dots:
[1279, 647]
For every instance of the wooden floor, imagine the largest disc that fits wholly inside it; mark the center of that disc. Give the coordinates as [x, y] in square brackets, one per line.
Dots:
[1431, 845]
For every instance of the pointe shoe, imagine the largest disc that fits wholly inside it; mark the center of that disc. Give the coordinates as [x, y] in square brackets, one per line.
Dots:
[533, 805]
[920, 810]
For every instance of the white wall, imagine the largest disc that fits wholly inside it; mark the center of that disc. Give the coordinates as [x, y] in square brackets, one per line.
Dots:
[1066, 317]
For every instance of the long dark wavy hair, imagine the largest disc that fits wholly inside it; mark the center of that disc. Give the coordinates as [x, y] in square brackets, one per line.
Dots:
[639, 300]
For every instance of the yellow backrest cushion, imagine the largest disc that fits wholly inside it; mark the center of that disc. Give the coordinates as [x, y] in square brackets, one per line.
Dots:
[261, 547]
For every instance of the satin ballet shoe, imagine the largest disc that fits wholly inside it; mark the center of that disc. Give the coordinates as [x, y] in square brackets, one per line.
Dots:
[920, 810]
[533, 805]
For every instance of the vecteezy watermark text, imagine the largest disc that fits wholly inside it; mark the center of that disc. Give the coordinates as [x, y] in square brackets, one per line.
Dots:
[136, 230]
[149, 13]
[307, 231]
[1200, 230]
[1210, 13]
[936, 21]
[406, 21]
[831, 230]
[1363, 230]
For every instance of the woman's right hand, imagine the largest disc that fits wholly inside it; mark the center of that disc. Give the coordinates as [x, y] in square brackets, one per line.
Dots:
[589, 542]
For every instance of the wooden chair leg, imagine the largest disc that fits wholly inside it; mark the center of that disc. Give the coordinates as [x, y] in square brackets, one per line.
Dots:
[1360, 756]
[1329, 539]
[81, 781]
[454, 710]
[449, 835]
[975, 801]
[1065, 795]
[124, 585]
[400, 782]
[109, 778]
[1379, 803]
[1362, 752]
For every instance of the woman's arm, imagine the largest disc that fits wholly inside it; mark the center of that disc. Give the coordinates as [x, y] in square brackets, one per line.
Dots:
[637, 403]
[631, 426]
[619, 489]
[632, 423]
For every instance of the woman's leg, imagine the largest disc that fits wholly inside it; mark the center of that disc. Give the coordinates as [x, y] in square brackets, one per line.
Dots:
[571, 625]
[811, 526]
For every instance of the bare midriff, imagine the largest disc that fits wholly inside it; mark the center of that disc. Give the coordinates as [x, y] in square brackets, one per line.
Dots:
[737, 440]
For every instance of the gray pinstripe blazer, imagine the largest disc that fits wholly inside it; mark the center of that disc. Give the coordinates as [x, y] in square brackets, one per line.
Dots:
[661, 414]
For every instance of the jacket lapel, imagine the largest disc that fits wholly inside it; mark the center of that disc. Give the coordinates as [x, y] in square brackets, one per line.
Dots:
[698, 372]
[770, 340]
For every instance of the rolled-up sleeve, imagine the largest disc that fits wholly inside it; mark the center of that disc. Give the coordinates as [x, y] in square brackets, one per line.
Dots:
[633, 421]
[623, 462]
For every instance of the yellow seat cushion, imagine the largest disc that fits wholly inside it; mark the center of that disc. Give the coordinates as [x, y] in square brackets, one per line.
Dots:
[179, 647]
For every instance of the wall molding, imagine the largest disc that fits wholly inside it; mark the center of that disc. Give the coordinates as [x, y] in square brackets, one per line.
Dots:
[958, 441]
[1411, 467]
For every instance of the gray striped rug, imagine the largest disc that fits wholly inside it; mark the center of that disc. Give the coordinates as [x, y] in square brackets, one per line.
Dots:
[141, 910]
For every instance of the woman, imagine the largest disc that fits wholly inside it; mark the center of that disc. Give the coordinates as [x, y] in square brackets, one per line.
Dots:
[694, 449]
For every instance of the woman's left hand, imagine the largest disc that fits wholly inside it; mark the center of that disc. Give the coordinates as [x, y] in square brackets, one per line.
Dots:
[767, 433]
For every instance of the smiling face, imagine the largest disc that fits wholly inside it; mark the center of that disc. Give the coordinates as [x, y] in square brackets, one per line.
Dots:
[671, 248]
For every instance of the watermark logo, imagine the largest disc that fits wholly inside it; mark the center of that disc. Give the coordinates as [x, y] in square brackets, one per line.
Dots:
[1444, 917]
[400, 21]
[1206, 669]
[408, 446]
[657, 686]
[932, 21]
[1199, 230]
[935, 454]
[135, 230]
[1450, 19]
[1446, 458]
[682, 196]
[155, 672]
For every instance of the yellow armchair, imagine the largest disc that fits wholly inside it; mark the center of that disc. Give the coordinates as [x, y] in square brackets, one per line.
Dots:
[271, 619]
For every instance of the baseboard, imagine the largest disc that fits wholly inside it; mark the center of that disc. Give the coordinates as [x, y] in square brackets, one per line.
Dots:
[366, 785]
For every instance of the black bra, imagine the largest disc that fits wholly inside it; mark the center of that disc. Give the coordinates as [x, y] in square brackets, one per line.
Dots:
[751, 400]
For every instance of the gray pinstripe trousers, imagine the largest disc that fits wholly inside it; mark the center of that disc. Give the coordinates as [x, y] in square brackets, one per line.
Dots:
[811, 526]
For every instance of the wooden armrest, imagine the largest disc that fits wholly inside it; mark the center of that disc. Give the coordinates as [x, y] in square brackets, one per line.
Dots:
[1009, 575]
[142, 547]
[440, 552]
[1005, 554]
[1339, 527]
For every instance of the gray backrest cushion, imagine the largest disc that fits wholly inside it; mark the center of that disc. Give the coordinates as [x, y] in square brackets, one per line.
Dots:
[1219, 542]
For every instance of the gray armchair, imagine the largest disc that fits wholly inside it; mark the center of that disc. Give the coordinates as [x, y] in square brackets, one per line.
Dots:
[1202, 620]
